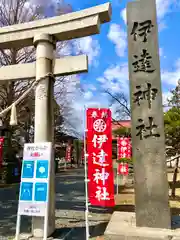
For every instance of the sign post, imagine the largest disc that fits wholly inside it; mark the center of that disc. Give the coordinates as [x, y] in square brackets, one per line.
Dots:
[34, 187]
[86, 178]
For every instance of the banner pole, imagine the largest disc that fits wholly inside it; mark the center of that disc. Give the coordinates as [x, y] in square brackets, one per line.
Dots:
[117, 180]
[86, 178]
[18, 224]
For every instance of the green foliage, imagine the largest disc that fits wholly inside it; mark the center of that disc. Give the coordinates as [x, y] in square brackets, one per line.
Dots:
[125, 160]
[172, 123]
[172, 130]
[129, 161]
[175, 99]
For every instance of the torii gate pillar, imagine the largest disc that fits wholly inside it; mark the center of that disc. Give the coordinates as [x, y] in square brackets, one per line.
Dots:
[44, 130]
[42, 33]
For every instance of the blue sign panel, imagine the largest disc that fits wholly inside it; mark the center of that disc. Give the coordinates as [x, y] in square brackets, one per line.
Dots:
[40, 192]
[28, 169]
[26, 191]
[42, 169]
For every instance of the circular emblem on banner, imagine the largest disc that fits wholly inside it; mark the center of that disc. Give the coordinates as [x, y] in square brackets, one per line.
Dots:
[99, 125]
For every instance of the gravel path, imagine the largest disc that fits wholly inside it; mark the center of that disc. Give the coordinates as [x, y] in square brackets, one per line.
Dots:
[70, 206]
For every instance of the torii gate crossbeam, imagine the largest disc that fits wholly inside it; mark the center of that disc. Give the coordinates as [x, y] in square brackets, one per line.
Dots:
[44, 34]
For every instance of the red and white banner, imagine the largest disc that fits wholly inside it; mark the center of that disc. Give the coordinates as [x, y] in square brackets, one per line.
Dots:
[68, 153]
[1, 150]
[99, 150]
[124, 147]
[123, 169]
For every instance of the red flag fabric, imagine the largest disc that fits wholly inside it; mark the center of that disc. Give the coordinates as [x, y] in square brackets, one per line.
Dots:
[123, 169]
[68, 153]
[124, 147]
[1, 150]
[99, 150]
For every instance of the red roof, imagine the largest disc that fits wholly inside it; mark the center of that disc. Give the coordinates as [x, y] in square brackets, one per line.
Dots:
[119, 124]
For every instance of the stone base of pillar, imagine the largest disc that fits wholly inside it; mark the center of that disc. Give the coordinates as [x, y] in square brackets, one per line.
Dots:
[122, 226]
[28, 236]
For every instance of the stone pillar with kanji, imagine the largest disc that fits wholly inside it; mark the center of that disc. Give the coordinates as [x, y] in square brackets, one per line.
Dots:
[148, 140]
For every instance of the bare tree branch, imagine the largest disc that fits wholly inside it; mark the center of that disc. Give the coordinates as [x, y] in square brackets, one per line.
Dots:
[121, 101]
[14, 12]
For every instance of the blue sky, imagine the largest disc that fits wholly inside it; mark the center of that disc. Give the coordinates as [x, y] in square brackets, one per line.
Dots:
[107, 53]
[110, 50]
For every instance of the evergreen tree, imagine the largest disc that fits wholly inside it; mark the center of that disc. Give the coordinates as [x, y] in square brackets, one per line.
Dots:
[172, 122]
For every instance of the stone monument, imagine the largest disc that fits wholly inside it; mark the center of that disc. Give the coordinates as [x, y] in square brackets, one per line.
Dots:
[44, 34]
[148, 140]
[152, 218]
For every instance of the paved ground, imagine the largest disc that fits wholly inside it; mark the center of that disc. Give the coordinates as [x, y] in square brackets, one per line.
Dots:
[70, 206]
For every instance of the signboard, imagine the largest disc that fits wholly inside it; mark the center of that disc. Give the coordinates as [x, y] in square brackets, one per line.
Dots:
[124, 147]
[68, 153]
[123, 169]
[99, 151]
[33, 197]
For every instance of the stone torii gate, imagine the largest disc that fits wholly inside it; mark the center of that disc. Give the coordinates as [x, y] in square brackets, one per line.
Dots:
[44, 34]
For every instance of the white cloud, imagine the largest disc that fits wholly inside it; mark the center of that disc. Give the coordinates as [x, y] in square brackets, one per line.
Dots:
[166, 96]
[115, 78]
[64, 49]
[163, 7]
[89, 46]
[46, 2]
[160, 52]
[81, 104]
[119, 72]
[41, 2]
[88, 95]
[119, 37]
[177, 63]
[91, 87]
[171, 77]
[86, 45]
[123, 15]
[161, 26]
